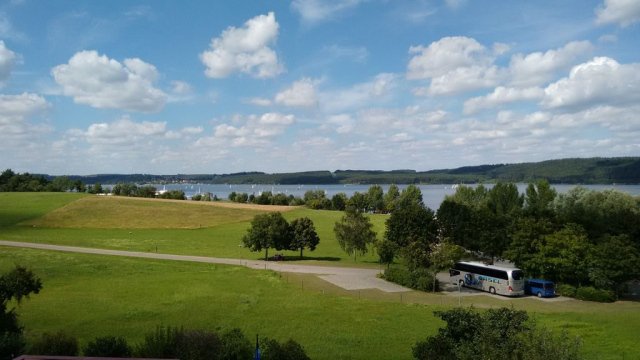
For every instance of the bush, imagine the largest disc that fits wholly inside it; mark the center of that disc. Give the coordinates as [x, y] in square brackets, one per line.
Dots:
[158, 344]
[273, 350]
[425, 283]
[589, 293]
[419, 279]
[60, 344]
[400, 276]
[197, 344]
[108, 346]
[12, 344]
[234, 345]
[566, 290]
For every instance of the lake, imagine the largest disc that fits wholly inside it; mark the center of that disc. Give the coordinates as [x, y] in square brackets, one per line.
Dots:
[431, 194]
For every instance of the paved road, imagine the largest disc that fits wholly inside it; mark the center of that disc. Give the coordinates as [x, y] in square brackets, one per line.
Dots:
[347, 278]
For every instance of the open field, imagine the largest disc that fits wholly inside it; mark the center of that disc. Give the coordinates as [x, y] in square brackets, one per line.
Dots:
[109, 212]
[93, 295]
[106, 222]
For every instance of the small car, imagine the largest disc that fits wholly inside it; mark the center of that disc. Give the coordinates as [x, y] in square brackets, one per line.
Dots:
[540, 288]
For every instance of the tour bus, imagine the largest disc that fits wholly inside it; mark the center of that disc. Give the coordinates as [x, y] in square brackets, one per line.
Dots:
[494, 279]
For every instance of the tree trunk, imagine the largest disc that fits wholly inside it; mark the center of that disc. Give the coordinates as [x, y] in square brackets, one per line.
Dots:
[434, 282]
[301, 253]
[266, 255]
[354, 256]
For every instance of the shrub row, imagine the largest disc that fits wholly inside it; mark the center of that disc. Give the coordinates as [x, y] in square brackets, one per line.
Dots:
[170, 342]
[587, 293]
[420, 279]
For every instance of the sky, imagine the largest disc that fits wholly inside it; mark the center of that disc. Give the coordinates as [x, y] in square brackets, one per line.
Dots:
[203, 87]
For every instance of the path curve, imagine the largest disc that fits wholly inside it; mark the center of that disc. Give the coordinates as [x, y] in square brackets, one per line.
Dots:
[346, 278]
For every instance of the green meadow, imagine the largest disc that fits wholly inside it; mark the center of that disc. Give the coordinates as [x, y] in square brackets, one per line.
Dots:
[172, 227]
[96, 295]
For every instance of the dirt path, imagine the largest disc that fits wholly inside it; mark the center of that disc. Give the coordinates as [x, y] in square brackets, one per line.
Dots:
[346, 278]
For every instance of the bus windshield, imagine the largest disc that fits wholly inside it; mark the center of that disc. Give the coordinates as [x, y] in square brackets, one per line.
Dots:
[517, 275]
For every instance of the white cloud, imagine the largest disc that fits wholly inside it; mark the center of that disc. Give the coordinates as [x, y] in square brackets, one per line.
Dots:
[410, 120]
[254, 131]
[181, 88]
[463, 79]
[500, 48]
[259, 101]
[192, 130]
[104, 83]
[312, 11]
[7, 62]
[624, 12]
[301, 94]
[539, 68]
[359, 95]
[277, 119]
[502, 96]
[124, 131]
[15, 113]
[600, 81]
[445, 55]
[245, 50]
[317, 141]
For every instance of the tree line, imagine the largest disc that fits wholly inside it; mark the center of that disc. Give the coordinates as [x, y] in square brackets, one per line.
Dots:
[586, 241]
[272, 231]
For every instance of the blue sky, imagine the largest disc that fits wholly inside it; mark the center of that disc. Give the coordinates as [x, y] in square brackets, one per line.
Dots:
[169, 87]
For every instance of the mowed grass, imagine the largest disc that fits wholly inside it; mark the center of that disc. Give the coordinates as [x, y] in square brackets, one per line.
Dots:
[17, 207]
[102, 222]
[94, 295]
[109, 212]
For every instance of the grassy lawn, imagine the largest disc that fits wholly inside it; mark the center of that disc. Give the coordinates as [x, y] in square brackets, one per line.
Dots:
[93, 295]
[174, 227]
[108, 212]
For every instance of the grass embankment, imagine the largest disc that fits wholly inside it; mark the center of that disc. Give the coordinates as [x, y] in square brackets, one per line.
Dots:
[175, 227]
[93, 295]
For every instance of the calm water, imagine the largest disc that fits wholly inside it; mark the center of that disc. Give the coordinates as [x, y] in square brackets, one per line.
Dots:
[431, 194]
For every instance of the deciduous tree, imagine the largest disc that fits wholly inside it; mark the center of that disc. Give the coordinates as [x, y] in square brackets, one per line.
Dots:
[354, 232]
[303, 235]
[268, 231]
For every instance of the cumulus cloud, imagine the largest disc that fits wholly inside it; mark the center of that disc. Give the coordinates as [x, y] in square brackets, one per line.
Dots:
[301, 94]
[502, 96]
[15, 113]
[104, 83]
[539, 68]
[312, 11]
[359, 95]
[445, 55]
[7, 62]
[623, 12]
[454, 64]
[245, 50]
[254, 131]
[124, 131]
[600, 81]
[192, 130]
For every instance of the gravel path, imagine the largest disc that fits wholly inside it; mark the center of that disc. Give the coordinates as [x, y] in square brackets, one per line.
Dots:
[346, 278]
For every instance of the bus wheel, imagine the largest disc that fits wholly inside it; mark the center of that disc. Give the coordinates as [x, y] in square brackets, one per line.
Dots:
[492, 290]
[539, 294]
[461, 283]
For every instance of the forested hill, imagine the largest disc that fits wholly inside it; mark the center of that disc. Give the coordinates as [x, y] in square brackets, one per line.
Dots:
[571, 171]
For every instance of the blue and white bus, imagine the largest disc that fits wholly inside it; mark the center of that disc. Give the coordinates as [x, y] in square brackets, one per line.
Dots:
[494, 279]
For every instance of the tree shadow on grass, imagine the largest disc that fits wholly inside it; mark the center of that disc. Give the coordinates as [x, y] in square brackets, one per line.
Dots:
[297, 258]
